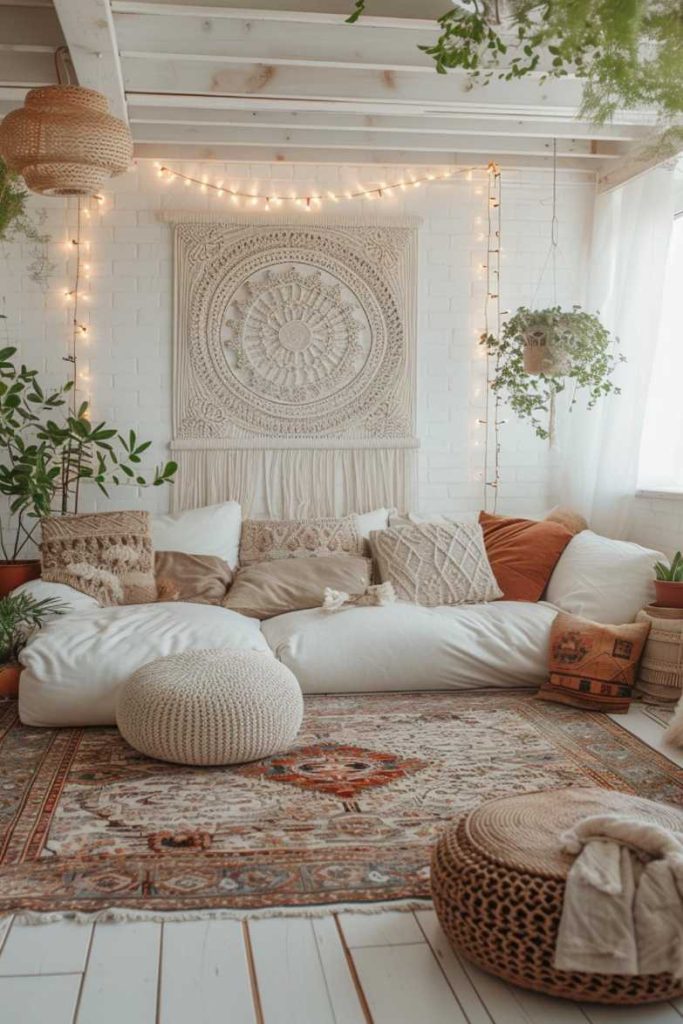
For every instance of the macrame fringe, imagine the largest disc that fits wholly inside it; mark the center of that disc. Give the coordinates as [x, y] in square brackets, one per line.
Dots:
[122, 914]
[296, 484]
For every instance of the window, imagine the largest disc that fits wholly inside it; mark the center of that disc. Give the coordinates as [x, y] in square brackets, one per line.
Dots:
[661, 451]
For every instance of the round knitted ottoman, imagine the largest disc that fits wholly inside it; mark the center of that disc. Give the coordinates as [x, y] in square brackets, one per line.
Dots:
[498, 877]
[210, 707]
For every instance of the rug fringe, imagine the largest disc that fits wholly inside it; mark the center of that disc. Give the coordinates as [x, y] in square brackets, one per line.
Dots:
[121, 914]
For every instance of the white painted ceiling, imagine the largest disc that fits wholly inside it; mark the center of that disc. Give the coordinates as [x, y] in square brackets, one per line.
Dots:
[290, 80]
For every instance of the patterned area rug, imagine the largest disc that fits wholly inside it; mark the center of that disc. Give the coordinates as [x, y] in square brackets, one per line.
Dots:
[348, 816]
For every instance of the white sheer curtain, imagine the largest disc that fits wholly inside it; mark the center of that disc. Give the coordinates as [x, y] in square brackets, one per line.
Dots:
[600, 448]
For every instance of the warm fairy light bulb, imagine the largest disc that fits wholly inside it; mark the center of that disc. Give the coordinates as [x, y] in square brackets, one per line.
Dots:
[468, 176]
[253, 200]
[266, 205]
[187, 182]
[235, 199]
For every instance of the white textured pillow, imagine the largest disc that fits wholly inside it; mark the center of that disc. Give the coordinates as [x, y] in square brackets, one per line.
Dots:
[434, 564]
[378, 519]
[603, 580]
[213, 530]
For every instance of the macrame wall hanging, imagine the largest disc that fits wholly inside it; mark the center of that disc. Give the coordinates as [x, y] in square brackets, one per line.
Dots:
[294, 363]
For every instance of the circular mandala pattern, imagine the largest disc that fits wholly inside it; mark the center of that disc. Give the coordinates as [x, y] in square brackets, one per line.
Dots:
[293, 332]
[294, 336]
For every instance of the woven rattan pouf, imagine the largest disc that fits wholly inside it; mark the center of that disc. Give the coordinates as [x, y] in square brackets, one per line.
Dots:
[211, 707]
[498, 877]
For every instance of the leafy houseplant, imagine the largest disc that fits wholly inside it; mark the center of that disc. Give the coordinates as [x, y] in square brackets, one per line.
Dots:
[542, 352]
[669, 582]
[46, 451]
[20, 616]
[15, 221]
[628, 53]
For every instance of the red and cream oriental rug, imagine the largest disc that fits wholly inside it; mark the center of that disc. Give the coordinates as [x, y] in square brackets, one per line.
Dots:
[348, 816]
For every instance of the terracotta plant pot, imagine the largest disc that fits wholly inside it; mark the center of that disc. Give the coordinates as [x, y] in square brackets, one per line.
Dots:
[13, 574]
[542, 352]
[9, 680]
[669, 595]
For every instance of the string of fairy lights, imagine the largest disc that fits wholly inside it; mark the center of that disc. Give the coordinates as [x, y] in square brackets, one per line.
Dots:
[308, 201]
[492, 319]
[80, 248]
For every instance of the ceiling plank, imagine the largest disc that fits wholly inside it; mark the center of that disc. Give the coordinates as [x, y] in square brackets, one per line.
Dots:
[89, 31]
[426, 10]
[330, 120]
[143, 74]
[639, 162]
[252, 135]
[248, 39]
[291, 154]
[28, 70]
[30, 26]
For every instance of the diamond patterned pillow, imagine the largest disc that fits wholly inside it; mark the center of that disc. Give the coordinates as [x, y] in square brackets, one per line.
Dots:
[436, 564]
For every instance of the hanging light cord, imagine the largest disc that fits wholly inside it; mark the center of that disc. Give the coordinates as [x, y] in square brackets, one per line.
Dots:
[63, 66]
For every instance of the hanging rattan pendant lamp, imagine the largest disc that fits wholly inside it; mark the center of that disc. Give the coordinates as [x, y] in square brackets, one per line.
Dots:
[64, 141]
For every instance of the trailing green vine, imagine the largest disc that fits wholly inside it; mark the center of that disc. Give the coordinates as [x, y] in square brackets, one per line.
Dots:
[628, 53]
[16, 221]
[577, 342]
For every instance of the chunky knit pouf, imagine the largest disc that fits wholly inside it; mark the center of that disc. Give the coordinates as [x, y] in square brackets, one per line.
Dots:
[498, 878]
[216, 706]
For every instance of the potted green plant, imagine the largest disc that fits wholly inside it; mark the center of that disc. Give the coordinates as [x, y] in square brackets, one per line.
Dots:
[47, 450]
[669, 582]
[20, 616]
[542, 352]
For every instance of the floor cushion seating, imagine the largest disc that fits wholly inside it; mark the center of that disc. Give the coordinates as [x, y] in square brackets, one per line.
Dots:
[212, 706]
[498, 877]
[405, 647]
[75, 665]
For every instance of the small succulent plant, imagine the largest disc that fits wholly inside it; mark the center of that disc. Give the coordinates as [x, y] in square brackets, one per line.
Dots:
[672, 573]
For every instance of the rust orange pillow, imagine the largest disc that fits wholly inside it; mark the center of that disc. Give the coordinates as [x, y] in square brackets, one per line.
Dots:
[593, 666]
[523, 553]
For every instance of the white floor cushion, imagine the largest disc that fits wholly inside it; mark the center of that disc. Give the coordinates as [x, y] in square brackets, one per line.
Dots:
[75, 665]
[404, 647]
[602, 579]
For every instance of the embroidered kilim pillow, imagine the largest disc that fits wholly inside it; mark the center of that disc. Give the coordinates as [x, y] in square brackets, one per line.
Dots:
[107, 555]
[265, 539]
[434, 564]
[593, 666]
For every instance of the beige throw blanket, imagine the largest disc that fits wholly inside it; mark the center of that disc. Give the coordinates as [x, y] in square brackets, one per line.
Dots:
[623, 901]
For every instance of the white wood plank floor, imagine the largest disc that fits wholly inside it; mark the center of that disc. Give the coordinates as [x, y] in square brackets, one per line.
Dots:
[388, 968]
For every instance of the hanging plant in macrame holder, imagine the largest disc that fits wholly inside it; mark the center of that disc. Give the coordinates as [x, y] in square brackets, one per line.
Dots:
[541, 353]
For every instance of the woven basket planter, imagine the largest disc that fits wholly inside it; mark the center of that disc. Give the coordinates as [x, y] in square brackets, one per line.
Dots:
[64, 141]
[661, 669]
[498, 878]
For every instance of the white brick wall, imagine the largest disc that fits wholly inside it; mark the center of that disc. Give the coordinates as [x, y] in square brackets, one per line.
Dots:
[127, 355]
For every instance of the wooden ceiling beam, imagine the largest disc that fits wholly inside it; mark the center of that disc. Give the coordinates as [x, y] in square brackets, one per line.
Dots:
[330, 120]
[88, 28]
[292, 154]
[253, 135]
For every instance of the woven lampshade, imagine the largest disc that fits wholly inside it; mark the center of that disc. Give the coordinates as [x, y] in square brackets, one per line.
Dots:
[64, 141]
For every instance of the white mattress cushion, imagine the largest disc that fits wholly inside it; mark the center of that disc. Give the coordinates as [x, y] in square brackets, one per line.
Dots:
[213, 530]
[73, 600]
[405, 647]
[602, 579]
[75, 665]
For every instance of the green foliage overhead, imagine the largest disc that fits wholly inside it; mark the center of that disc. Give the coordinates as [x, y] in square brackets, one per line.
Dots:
[46, 450]
[670, 573]
[20, 616]
[580, 344]
[629, 53]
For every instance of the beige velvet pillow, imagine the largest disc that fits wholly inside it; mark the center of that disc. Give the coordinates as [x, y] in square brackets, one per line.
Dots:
[284, 585]
[267, 539]
[199, 579]
[434, 564]
[105, 554]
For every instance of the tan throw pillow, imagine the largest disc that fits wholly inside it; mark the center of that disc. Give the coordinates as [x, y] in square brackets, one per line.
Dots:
[199, 579]
[284, 585]
[436, 564]
[267, 539]
[593, 666]
[105, 554]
